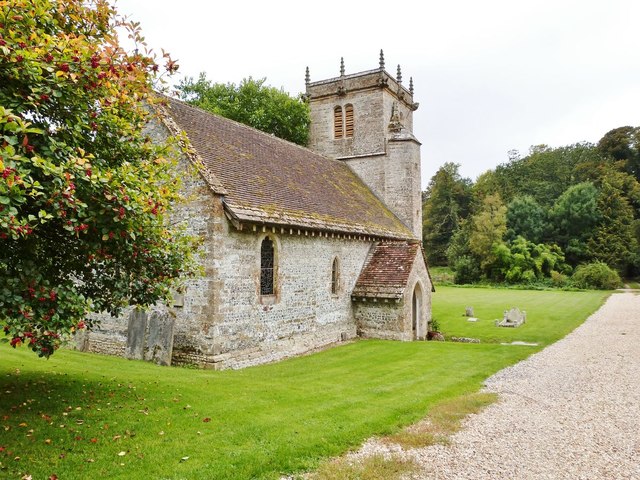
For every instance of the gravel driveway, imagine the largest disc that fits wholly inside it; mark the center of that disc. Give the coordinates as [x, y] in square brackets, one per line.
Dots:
[571, 411]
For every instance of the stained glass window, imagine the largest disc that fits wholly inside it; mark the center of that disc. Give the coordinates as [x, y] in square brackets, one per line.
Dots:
[266, 267]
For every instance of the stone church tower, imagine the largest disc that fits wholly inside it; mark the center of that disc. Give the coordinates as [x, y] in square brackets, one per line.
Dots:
[366, 120]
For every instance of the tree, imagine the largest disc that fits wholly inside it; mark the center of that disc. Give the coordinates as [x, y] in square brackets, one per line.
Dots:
[526, 218]
[252, 103]
[489, 225]
[573, 217]
[613, 241]
[446, 202]
[623, 143]
[84, 194]
[544, 174]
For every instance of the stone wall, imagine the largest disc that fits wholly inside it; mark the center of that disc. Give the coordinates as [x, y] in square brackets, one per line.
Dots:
[380, 319]
[369, 130]
[403, 183]
[302, 315]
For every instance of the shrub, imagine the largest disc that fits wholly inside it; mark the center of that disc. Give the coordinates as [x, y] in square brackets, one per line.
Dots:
[467, 270]
[558, 279]
[596, 275]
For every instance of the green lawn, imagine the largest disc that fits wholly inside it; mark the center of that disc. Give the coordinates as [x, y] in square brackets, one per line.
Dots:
[551, 314]
[83, 416]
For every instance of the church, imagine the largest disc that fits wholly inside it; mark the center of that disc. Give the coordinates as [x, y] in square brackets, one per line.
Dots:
[302, 248]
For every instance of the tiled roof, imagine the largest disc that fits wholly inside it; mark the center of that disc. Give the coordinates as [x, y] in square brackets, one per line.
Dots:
[386, 270]
[272, 181]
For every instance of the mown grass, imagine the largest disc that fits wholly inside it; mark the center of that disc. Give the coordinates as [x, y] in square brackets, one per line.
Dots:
[80, 416]
[551, 314]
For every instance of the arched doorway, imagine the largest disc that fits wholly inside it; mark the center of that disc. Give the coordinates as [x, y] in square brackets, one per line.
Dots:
[416, 309]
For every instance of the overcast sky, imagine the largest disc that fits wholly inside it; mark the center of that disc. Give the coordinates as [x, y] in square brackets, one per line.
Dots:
[490, 76]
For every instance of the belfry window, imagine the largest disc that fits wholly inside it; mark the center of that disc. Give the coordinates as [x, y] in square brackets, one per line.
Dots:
[338, 124]
[335, 276]
[343, 121]
[348, 121]
[267, 260]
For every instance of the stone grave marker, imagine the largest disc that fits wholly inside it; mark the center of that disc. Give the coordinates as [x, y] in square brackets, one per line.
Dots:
[512, 318]
[136, 331]
[159, 345]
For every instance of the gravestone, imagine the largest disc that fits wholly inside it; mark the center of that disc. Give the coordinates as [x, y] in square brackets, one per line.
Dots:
[468, 312]
[512, 318]
[159, 345]
[136, 332]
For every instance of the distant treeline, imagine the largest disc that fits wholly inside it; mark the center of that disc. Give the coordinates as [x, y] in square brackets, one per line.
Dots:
[541, 218]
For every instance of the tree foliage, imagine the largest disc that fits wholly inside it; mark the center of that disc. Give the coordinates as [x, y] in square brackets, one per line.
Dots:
[526, 218]
[488, 227]
[523, 261]
[623, 143]
[544, 174]
[252, 103]
[581, 201]
[447, 201]
[84, 193]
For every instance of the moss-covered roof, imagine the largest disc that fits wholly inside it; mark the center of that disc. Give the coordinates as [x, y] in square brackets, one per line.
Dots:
[271, 181]
[386, 271]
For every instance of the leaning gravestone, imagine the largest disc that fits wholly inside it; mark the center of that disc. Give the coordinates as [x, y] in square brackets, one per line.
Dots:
[136, 332]
[160, 341]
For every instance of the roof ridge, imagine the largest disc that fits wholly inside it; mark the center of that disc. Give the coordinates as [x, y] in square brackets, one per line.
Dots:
[254, 129]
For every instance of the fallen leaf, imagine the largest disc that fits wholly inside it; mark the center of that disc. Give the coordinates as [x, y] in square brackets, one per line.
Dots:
[206, 420]
[122, 454]
[48, 441]
[23, 424]
[117, 437]
[53, 477]
[184, 459]
[26, 477]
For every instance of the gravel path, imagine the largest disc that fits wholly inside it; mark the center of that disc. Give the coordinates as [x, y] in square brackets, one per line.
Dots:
[571, 411]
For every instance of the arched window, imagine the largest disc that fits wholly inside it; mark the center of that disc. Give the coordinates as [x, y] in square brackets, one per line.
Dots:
[338, 125]
[335, 276]
[267, 259]
[348, 121]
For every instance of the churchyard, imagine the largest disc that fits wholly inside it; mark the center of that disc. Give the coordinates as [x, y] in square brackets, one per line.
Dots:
[81, 415]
